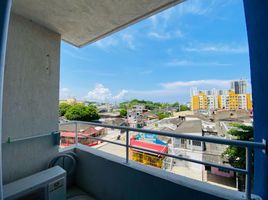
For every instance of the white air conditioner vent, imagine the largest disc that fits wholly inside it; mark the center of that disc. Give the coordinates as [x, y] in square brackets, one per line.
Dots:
[49, 184]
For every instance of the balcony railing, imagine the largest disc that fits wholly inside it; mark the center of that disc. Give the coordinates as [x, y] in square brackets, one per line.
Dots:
[249, 146]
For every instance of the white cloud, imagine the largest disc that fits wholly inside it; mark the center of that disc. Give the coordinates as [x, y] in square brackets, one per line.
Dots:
[162, 19]
[145, 72]
[129, 40]
[159, 35]
[178, 90]
[125, 39]
[107, 42]
[172, 17]
[200, 7]
[218, 48]
[160, 95]
[99, 93]
[195, 7]
[162, 35]
[65, 93]
[202, 83]
[154, 21]
[120, 95]
[160, 29]
[103, 94]
[184, 63]
[76, 54]
[95, 72]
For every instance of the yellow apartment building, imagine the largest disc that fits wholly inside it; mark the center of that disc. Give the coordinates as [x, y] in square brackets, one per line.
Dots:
[228, 101]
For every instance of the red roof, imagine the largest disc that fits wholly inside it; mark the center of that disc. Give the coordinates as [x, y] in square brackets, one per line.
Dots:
[72, 135]
[150, 146]
[92, 130]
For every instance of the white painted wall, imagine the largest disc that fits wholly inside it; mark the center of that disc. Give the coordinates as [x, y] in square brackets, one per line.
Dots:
[31, 94]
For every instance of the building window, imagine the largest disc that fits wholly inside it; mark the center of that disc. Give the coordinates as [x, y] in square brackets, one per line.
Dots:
[207, 168]
[183, 141]
[196, 143]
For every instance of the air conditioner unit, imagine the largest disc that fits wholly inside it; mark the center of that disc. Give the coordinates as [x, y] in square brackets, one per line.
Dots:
[49, 184]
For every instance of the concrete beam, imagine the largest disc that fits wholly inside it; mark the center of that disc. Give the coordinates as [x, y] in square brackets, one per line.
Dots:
[81, 22]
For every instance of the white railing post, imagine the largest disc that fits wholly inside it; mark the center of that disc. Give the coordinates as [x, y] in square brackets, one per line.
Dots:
[127, 145]
[249, 172]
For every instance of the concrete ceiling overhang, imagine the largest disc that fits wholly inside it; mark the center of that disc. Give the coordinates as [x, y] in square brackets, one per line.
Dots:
[84, 21]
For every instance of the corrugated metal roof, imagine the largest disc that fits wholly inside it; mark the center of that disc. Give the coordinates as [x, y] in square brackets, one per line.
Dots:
[150, 146]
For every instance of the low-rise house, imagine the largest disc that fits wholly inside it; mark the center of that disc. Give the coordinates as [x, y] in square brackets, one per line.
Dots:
[135, 116]
[68, 135]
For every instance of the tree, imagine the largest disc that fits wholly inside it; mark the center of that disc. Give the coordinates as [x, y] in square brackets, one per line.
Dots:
[123, 112]
[162, 115]
[175, 105]
[150, 105]
[82, 113]
[63, 107]
[236, 156]
[184, 107]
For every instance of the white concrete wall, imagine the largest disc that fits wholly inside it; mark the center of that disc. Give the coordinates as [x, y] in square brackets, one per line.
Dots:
[31, 94]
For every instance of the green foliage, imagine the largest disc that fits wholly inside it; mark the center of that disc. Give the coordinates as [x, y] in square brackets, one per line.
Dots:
[176, 105]
[63, 107]
[236, 156]
[123, 105]
[152, 105]
[123, 112]
[184, 107]
[82, 113]
[162, 115]
[148, 104]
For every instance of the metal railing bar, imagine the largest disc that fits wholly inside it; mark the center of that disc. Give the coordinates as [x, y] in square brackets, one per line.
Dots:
[127, 146]
[67, 148]
[246, 144]
[76, 133]
[178, 135]
[108, 141]
[177, 157]
[71, 122]
[192, 160]
[10, 140]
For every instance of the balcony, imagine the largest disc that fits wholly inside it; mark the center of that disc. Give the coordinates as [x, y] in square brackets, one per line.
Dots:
[30, 37]
[102, 175]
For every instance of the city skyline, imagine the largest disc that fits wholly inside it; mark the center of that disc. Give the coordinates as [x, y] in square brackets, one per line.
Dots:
[162, 57]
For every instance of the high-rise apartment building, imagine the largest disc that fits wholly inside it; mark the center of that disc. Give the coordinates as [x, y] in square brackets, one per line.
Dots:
[239, 87]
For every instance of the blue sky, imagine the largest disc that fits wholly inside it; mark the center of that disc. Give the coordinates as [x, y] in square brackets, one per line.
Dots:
[199, 43]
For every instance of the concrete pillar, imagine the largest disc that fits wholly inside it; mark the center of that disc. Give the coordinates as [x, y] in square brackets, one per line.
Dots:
[5, 7]
[256, 12]
[30, 99]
